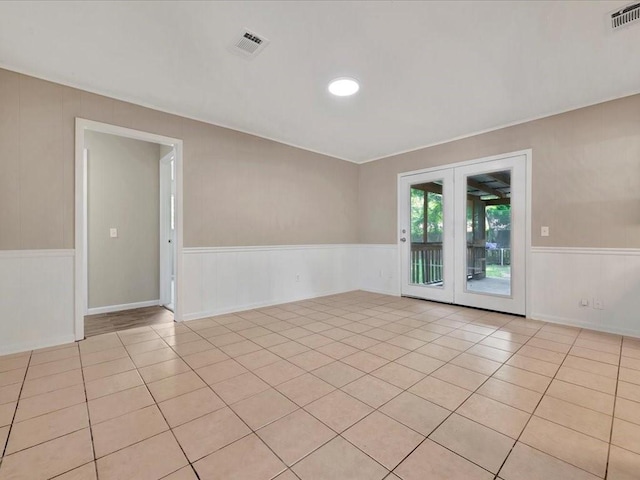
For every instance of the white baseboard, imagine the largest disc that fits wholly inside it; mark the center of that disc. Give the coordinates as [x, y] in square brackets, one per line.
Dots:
[45, 342]
[241, 308]
[393, 293]
[124, 306]
[572, 322]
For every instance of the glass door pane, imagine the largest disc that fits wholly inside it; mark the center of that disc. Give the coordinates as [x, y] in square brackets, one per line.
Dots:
[489, 233]
[427, 228]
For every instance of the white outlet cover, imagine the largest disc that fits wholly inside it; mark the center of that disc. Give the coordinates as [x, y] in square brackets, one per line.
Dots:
[544, 231]
[113, 232]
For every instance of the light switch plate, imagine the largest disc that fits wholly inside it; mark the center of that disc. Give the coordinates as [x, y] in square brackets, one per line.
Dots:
[113, 232]
[544, 231]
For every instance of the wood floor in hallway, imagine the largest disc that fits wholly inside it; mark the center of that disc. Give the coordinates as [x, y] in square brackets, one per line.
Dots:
[126, 319]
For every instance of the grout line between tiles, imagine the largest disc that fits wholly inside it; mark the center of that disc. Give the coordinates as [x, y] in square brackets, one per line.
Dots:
[93, 449]
[15, 412]
[613, 414]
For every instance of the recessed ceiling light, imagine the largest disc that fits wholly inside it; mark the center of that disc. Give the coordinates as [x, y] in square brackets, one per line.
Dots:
[343, 87]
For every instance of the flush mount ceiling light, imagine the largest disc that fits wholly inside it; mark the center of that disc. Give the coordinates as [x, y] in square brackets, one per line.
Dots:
[343, 87]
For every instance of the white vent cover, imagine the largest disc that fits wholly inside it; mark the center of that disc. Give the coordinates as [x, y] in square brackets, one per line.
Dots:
[625, 16]
[249, 44]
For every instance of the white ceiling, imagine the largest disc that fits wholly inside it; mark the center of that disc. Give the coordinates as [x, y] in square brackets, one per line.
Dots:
[429, 71]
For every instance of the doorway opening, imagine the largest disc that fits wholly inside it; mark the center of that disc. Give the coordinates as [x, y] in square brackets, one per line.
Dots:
[128, 228]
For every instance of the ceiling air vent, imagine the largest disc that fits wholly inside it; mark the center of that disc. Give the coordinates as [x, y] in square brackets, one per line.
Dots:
[625, 16]
[249, 44]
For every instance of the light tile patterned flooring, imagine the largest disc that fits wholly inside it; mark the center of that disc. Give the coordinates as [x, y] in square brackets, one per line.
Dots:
[352, 386]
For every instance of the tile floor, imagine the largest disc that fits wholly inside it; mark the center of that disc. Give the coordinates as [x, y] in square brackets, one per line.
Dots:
[352, 386]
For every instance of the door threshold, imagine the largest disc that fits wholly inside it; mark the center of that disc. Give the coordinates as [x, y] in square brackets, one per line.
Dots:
[464, 306]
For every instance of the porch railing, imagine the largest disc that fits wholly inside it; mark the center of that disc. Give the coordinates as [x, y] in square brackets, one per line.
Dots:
[499, 256]
[427, 261]
[476, 261]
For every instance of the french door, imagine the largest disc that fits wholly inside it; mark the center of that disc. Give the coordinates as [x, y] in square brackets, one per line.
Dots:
[463, 234]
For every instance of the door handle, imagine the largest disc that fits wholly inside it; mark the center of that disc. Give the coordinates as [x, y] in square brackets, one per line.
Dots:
[403, 239]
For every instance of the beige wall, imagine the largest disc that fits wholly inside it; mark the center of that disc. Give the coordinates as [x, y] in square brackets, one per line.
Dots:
[586, 176]
[238, 189]
[123, 192]
[243, 190]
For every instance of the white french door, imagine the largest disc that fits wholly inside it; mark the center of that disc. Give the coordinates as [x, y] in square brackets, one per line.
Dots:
[463, 234]
[426, 225]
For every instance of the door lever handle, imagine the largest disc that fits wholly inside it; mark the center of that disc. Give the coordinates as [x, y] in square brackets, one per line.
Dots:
[403, 239]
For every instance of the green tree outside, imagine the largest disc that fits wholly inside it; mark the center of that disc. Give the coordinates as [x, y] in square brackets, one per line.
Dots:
[435, 222]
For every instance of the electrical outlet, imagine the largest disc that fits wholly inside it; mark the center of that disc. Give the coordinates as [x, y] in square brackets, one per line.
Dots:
[297, 277]
[544, 231]
[113, 232]
[598, 304]
[584, 302]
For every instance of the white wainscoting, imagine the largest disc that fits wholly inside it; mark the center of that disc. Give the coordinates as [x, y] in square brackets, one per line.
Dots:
[378, 269]
[36, 286]
[36, 299]
[229, 279]
[563, 276]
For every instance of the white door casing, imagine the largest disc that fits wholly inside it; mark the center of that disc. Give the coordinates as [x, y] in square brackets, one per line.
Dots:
[80, 277]
[167, 240]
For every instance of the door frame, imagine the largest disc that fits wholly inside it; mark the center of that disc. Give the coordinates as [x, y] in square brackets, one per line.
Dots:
[528, 155]
[166, 247]
[81, 258]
